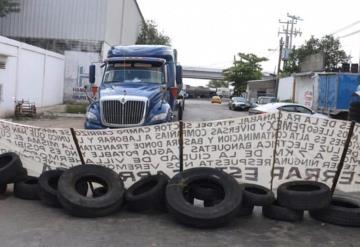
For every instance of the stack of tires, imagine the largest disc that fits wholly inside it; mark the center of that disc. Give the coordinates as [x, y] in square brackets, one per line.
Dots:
[197, 197]
[354, 112]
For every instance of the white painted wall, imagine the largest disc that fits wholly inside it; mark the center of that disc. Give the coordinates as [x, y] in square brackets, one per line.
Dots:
[31, 73]
[304, 90]
[286, 88]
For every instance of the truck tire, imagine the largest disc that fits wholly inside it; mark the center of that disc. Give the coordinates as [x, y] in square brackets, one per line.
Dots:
[203, 217]
[27, 189]
[79, 205]
[3, 188]
[257, 195]
[277, 212]
[304, 195]
[342, 211]
[48, 188]
[11, 169]
[148, 194]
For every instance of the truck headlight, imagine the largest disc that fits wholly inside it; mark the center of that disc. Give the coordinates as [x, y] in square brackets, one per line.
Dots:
[91, 117]
[159, 117]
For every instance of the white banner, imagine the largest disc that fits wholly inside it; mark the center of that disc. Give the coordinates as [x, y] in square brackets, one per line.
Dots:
[39, 148]
[242, 147]
[349, 179]
[133, 152]
[309, 148]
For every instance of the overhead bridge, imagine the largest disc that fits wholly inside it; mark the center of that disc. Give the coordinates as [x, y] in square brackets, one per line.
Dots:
[203, 73]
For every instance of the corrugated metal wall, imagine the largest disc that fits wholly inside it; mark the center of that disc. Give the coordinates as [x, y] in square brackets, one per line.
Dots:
[57, 19]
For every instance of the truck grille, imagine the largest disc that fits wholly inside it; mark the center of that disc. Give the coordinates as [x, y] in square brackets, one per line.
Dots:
[122, 114]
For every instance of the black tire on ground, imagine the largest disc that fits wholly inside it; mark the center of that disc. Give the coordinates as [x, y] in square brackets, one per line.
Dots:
[342, 211]
[354, 117]
[10, 168]
[304, 195]
[203, 217]
[277, 212]
[47, 189]
[27, 189]
[148, 194]
[79, 205]
[257, 195]
[245, 210]
[3, 188]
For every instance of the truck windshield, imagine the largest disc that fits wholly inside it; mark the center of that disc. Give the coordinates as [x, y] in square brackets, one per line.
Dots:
[136, 73]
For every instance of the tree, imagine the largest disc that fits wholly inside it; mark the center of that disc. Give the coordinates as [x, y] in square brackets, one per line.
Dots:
[245, 69]
[328, 45]
[218, 83]
[149, 35]
[8, 6]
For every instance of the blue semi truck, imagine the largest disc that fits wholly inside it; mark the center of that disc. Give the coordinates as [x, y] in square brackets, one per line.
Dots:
[140, 86]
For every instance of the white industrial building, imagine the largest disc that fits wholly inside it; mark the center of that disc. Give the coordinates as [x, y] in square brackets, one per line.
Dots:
[29, 73]
[82, 30]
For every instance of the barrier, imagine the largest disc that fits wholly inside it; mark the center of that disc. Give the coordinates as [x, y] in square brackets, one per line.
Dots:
[264, 149]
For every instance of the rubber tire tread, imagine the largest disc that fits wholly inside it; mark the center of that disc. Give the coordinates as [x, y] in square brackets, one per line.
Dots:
[79, 205]
[27, 189]
[339, 215]
[257, 199]
[277, 212]
[304, 200]
[152, 199]
[203, 217]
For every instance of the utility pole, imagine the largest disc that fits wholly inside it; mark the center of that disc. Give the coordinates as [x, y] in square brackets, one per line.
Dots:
[289, 32]
[281, 45]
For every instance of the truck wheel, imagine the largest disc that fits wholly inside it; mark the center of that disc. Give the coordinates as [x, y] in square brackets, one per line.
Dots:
[148, 194]
[203, 217]
[342, 211]
[304, 195]
[277, 212]
[27, 189]
[78, 204]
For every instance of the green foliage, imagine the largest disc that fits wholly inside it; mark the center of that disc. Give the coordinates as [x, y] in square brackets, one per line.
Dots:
[76, 108]
[149, 35]
[218, 83]
[8, 6]
[244, 69]
[328, 45]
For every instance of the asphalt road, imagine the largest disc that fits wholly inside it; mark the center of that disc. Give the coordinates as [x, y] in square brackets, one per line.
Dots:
[30, 224]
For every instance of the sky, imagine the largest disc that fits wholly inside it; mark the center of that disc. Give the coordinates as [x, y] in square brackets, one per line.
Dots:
[208, 33]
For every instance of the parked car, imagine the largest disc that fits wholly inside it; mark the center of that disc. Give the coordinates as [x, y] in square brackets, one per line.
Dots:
[239, 103]
[288, 107]
[262, 100]
[216, 99]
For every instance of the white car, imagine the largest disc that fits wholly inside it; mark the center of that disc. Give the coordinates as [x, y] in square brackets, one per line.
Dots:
[288, 107]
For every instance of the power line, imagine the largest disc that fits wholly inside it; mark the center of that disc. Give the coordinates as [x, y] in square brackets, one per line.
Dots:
[350, 34]
[346, 27]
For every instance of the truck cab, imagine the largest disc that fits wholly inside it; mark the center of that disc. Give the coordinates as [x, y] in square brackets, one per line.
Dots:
[140, 86]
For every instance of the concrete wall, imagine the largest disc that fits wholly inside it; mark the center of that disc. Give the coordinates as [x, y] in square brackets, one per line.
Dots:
[254, 89]
[31, 74]
[286, 88]
[132, 23]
